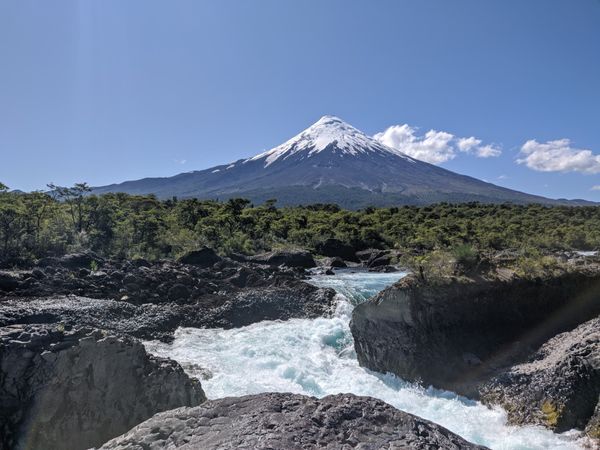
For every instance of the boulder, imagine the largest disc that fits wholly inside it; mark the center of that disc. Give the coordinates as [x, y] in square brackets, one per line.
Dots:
[204, 257]
[369, 254]
[456, 334]
[9, 281]
[289, 258]
[291, 422]
[559, 385]
[178, 291]
[335, 262]
[593, 427]
[379, 261]
[335, 247]
[72, 260]
[77, 388]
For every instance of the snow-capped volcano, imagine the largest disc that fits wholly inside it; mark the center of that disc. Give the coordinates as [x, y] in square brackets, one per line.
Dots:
[328, 162]
[328, 133]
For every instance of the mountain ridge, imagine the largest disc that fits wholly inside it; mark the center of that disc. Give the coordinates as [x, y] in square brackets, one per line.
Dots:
[330, 162]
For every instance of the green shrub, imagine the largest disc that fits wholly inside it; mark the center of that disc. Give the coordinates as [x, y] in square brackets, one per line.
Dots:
[466, 257]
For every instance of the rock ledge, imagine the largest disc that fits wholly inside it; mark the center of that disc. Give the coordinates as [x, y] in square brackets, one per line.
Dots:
[291, 422]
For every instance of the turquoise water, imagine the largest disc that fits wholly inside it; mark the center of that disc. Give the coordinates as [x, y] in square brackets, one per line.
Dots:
[316, 357]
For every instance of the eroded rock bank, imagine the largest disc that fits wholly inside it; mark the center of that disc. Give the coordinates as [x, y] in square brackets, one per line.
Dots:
[77, 388]
[464, 334]
[291, 422]
[150, 300]
[558, 386]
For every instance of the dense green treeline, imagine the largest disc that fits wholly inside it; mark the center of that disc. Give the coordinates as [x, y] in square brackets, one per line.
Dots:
[39, 224]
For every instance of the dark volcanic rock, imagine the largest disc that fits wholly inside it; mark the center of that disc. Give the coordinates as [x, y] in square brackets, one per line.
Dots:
[72, 261]
[73, 389]
[291, 422]
[383, 269]
[380, 261]
[369, 254]
[457, 334]
[204, 257]
[559, 386]
[146, 321]
[151, 300]
[9, 281]
[160, 320]
[289, 258]
[593, 426]
[335, 247]
[335, 262]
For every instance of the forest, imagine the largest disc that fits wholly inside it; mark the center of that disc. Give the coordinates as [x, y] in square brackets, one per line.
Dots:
[68, 219]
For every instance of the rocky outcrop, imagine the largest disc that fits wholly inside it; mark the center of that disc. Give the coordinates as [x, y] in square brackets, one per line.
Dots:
[593, 427]
[333, 263]
[150, 300]
[334, 247]
[9, 281]
[459, 333]
[204, 257]
[373, 258]
[291, 422]
[559, 386]
[76, 388]
[289, 258]
[159, 320]
[383, 269]
[72, 260]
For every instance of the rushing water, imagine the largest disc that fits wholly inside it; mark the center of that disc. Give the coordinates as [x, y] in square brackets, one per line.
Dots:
[316, 357]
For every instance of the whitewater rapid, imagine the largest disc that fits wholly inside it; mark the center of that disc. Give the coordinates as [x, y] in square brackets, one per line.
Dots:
[316, 357]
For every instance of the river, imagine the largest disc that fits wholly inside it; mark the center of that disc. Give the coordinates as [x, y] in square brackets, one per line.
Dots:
[316, 357]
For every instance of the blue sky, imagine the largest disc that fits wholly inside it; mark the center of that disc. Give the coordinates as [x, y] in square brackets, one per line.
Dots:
[110, 90]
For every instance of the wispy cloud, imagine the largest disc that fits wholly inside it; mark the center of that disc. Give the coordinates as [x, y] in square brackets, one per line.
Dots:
[558, 156]
[595, 187]
[468, 144]
[180, 161]
[487, 151]
[435, 147]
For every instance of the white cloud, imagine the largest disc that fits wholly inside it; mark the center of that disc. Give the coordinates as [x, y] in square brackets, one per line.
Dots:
[558, 156]
[595, 188]
[434, 147]
[502, 177]
[488, 151]
[180, 161]
[467, 144]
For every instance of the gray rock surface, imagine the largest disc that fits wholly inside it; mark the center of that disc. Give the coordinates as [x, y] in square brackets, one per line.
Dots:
[458, 334]
[289, 258]
[334, 247]
[593, 427]
[73, 389]
[290, 422]
[559, 386]
[333, 262]
[72, 260]
[204, 257]
[150, 300]
[159, 320]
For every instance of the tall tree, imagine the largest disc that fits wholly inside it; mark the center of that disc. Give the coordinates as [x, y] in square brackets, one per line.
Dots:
[74, 197]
